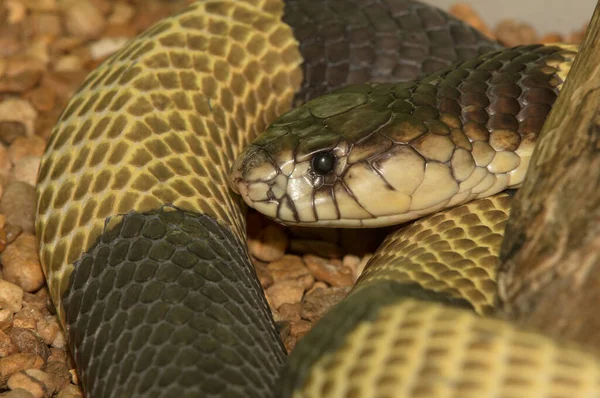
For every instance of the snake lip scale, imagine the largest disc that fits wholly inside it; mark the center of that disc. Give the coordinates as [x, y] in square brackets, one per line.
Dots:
[318, 112]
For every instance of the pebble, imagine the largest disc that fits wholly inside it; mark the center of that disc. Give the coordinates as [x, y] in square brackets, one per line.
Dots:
[107, 46]
[270, 244]
[512, 33]
[18, 362]
[83, 19]
[48, 328]
[287, 267]
[21, 112]
[316, 304]
[18, 204]
[19, 393]
[7, 347]
[26, 169]
[334, 273]
[70, 391]
[21, 263]
[288, 291]
[11, 295]
[28, 342]
[35, 381]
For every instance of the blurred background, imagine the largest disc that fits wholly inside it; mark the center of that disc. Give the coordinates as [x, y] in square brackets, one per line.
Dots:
[546, 16]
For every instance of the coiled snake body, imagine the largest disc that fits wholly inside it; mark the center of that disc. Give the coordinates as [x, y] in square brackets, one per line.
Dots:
[142, 240]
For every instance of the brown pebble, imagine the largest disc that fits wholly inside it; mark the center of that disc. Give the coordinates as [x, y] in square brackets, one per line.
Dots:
[26, 169]
[10, 130]
[288, 291]
[21, 263]
[290, 311]
[328, 271]
[466, 13]
[70, 391]
[28, 341]
[18, 205]
[20, 111]
[59, 374]
[26, 146]
[11, 295]
[42, 98]
[18, 362]
[512, 33]
[288, 267]
[319, 248]
[263, 274]
[270, 244]
[48, 328]
[18, 393]
[25, 323]
[315, 305]
[7, 347]
[36, 381]
[83, 19]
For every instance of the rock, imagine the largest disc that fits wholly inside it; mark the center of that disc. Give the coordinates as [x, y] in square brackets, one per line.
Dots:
[20, 111]
[107, 46]
[270, 244]
[288, 291]
[287, 267]
[42, 98]
[28, 342]
[26, 169]
[35, 381]
[18, 205]
[58, 373]
[70, 391]
[11, 295]
[328, 271]
[21, 263]
[290, 312]
[316, 304]
[18, 362]
[48, 328]
[512, 33]
[19, 393]
[83, 19]
[7, 347]
[26, 146]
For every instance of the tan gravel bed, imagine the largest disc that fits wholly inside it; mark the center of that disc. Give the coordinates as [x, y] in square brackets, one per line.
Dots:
[47, 47]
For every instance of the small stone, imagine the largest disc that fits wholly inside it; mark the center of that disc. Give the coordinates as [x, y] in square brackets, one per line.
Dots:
[315, 305]
[512, 33]
[552, 38]
[300, 327]
[48, 328]
[26, 169]
[68, 63]
[11, 295]
[319, 248]
[290, 312]
[107, 46]
[19, 393]
[60, 341]
[18, 362]
[21, 263]
[28, 341]
[42, 98]
[287, 267]
[20, 111]
[289, 291]
[7, 347]
[70, 391]
[11, 130]
[58, 373]
[328, 271]
[122, 13]
[18, 204]
[83, 19]
[270, 244]
[36, 381]
[263, 274]
[466, 13]
[46, 24]
[25, 323]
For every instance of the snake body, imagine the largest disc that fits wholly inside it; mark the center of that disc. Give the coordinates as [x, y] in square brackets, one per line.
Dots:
[143, 242]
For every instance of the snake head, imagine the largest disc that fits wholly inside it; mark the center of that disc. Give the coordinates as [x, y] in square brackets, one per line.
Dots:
[365, 155]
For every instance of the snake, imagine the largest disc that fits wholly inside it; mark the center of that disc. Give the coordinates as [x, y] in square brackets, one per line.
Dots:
[315, 112]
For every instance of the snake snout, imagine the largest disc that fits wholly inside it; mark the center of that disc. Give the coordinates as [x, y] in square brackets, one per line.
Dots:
[252, 169]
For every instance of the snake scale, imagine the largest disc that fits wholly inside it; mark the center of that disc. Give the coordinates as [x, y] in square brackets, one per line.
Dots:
[143, 241]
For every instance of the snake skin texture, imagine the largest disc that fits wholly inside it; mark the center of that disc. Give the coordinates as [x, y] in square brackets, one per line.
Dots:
[456, 135]
[354, 41]
[133, 305]
[141, 238]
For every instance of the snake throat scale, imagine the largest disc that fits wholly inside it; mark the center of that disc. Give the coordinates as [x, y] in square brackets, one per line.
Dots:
[142, 238]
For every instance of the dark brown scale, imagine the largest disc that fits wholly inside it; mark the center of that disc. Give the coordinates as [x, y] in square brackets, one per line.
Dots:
[384, 41]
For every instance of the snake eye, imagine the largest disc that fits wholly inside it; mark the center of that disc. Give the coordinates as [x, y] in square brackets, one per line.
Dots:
[323, 163]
